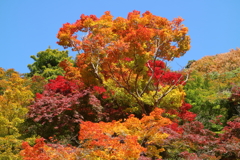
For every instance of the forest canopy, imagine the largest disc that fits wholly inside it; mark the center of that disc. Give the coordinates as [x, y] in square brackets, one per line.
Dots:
[118, 99]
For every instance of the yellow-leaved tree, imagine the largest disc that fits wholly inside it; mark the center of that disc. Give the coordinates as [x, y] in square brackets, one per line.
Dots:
[15, 96]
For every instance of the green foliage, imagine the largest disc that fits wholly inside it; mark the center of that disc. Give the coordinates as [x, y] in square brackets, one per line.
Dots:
[189, 63]
[209, 87]
[46, 63]
[207, 102]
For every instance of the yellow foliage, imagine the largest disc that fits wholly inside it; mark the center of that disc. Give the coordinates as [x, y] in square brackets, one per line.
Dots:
[16, 96]
[14, 101]
[173, 99]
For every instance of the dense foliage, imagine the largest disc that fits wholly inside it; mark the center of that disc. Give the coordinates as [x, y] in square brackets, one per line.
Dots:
[119, 100]
[212, 89]
[123, 55]
[15, 96]
[46, 63]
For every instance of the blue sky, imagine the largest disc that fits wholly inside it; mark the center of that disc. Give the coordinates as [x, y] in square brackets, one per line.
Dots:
[30, 26]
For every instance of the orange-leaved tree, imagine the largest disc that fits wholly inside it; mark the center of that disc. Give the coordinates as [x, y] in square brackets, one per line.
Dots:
[123, 55]
[124, 140]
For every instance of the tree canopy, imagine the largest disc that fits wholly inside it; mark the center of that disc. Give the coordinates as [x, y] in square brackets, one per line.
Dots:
[125, 55]
[46, 63]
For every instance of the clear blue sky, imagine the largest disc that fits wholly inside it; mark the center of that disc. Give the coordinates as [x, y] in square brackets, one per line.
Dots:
[30, 26]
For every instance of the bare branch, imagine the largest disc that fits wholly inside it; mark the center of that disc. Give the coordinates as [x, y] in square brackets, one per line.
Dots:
[152, 69]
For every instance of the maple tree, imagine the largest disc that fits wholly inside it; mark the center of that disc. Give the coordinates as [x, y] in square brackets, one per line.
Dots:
[124, 54]
[119, 100]
[14, 100]
[62, 105]
[5, 75]
[151, 137]
[116, 140]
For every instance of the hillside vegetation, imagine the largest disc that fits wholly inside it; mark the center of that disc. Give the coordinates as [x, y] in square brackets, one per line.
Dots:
[118, 100]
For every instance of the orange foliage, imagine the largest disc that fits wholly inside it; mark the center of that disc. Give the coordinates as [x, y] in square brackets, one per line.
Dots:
[219, 63]
[41, 151]
[71, 73]
[114, 140]
[126, 140]
[107, 41]
[116, 53]
[138, 33]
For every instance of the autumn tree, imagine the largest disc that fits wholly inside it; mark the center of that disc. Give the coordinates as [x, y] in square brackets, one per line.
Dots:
[14, 98]
[46, 63]
[124, 55]
[61, 106]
